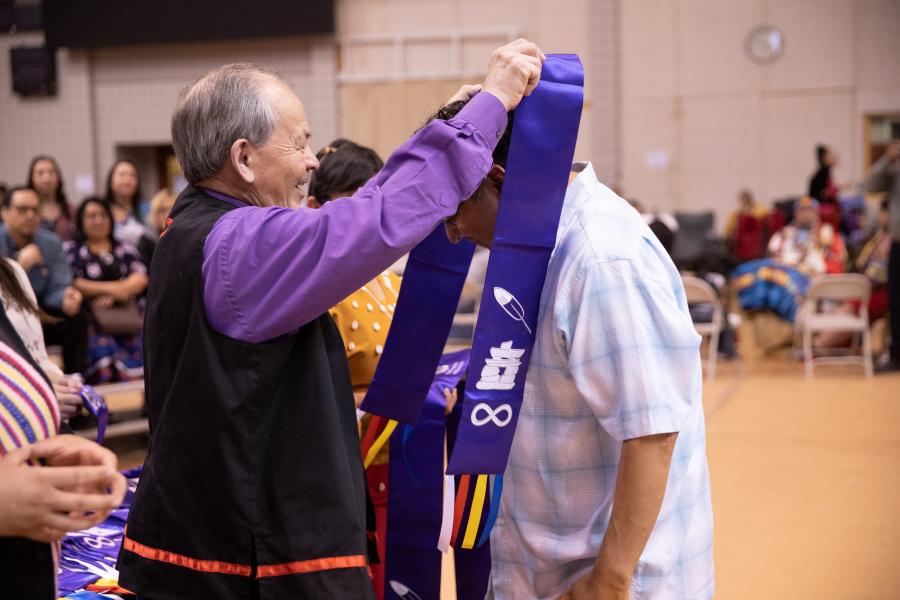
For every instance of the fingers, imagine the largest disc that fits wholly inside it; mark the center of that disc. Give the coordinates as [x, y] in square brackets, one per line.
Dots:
[88, 453]
[60, 522]
[118, 489]
[99, 477]
[17, 457]
[534, 75]
[72, 502]
[523, 46]
[464, 93]
[514, 71]
[47, 534]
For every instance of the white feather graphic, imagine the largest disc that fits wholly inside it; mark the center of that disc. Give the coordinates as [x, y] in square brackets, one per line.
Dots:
[403, 591]
[510, 306]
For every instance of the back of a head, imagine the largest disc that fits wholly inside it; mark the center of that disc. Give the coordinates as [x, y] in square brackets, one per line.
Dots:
[501, 151]
[344, 167]
[226, 104]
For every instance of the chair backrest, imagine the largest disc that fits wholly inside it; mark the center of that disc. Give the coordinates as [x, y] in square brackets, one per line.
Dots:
[698, 291]
[847, 286]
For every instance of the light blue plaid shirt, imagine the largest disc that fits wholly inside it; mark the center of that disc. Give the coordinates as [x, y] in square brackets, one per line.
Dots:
[616, 357]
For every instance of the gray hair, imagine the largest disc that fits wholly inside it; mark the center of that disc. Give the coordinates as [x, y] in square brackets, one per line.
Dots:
[224, 105]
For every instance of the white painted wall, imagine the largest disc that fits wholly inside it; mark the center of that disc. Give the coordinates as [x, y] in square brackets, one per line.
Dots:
[724, 122]
[124, 96]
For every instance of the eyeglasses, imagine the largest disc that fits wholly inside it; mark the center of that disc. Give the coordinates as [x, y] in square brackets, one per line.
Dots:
[24, 210]
[451, 220]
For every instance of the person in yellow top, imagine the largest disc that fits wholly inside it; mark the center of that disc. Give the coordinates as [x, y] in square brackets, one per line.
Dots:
[363, 318]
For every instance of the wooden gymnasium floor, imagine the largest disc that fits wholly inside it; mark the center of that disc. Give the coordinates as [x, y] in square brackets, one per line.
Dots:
[805, 480]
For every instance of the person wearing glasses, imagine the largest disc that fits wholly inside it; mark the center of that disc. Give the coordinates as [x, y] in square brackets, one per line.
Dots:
[40, 254]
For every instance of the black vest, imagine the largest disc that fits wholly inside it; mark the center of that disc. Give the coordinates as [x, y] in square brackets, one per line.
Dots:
[254, 476]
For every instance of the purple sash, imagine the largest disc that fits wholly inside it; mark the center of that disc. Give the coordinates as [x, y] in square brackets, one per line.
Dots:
[96, 405]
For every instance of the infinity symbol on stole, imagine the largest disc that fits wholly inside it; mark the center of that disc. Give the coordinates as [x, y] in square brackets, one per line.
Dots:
[492, 415]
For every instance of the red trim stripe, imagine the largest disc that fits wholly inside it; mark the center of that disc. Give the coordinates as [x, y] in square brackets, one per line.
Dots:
[461, 497]
[180, 560]
[226, 568]
[311, 566]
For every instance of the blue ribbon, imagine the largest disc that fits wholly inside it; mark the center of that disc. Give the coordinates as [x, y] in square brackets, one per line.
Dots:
[96, 405]
[416, 493]
[540, 160]
[432, 283]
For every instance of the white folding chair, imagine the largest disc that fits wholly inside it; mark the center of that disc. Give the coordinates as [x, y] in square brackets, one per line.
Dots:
[700, 292]
[843, 289]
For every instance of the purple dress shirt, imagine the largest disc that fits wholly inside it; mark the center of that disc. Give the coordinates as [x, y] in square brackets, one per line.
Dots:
[268, 271]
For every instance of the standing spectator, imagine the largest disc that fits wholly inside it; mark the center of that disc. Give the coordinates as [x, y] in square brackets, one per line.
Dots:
[41, 255]
[823, 189]
[123, 193]
[745, 228]
[45, 178]
[885, 177]
[111, 276]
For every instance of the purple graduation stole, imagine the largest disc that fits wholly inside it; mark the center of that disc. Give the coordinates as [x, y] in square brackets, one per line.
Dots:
[96, 405]
[541, 152]
[537, 175]
[416, 493]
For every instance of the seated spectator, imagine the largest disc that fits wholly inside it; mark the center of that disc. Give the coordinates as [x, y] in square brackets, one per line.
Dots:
[21, 308]
[160, 207]
[873, 263]
[41, 255]
[123, 193]
[45, 178]
[112, 278]
[746, 228]
[811, 247]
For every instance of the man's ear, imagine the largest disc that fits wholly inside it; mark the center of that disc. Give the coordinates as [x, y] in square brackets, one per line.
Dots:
[311, 202]
[241, 160]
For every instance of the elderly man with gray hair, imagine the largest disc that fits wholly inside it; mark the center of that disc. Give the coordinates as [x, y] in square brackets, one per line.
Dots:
[253, 485]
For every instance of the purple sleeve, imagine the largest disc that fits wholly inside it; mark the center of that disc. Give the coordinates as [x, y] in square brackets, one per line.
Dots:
[267, 271]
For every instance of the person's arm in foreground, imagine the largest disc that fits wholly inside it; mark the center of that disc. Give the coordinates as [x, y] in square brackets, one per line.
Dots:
[640, 488]
[76, 489]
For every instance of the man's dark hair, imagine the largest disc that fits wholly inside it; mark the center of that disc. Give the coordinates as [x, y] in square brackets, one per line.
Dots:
[821, 151]
[8, 196]
[501, 152]
[344, 166]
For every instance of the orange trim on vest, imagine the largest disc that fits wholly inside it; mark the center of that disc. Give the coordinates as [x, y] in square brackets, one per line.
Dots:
[179, 560]
[226, 568]
[311, 566]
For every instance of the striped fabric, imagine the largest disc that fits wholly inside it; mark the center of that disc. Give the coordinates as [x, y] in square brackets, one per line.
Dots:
[616, 357]
[28, 408]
